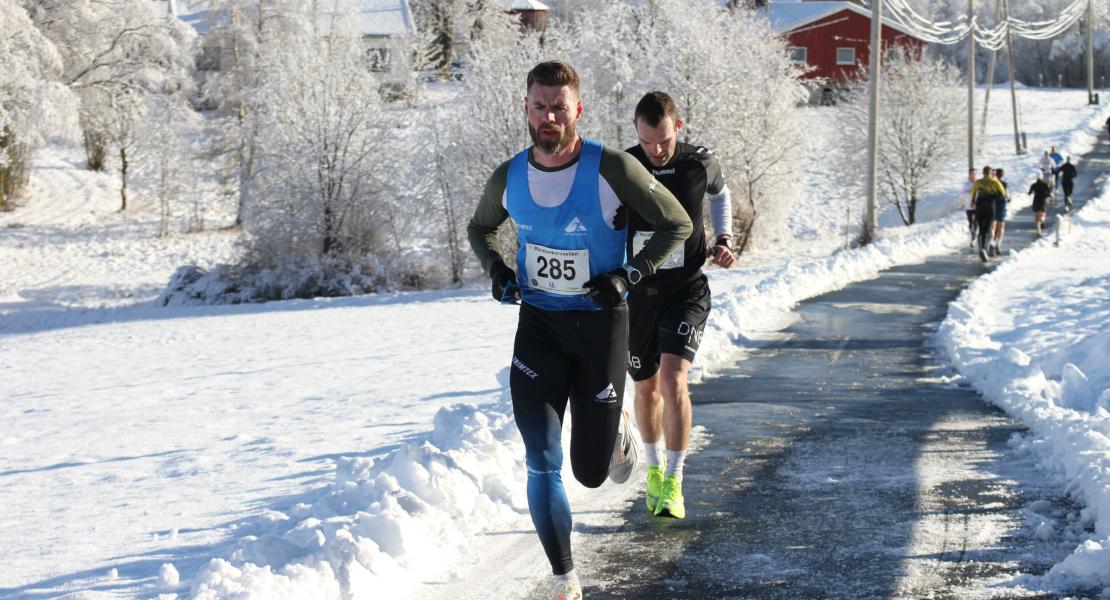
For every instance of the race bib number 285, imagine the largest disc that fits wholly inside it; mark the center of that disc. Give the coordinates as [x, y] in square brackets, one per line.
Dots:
[557, 271]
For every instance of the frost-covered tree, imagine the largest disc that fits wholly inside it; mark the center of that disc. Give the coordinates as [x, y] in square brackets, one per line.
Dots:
[110, 47]
[31, 97]
[319, 134]
[229, 63]
[922, 121]
[164, 151]
[746, 111]
[448, 26]
[489, 125]
[606, 55]
[451, 200]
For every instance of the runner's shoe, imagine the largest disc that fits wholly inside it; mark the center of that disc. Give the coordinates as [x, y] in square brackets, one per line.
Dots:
[671, 503]
[654, 487]
[626, 452]
[983, 254]
[567, 590]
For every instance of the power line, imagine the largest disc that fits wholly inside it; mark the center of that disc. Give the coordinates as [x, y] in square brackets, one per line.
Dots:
[993, 38]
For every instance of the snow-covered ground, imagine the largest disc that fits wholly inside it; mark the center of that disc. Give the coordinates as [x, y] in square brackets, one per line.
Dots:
[69, 246]
[1033, 338]
[314, 448]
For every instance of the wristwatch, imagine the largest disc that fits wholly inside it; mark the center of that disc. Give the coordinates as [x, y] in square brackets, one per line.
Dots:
[634, 275]
[724, 240]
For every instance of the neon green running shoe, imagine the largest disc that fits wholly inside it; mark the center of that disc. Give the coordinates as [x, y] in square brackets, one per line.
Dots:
[671, 503]
[654, 487]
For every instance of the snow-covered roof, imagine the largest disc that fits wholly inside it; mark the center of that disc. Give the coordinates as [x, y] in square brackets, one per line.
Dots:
[788, 16]
[379, 18]
[373, 18]
[527, 5]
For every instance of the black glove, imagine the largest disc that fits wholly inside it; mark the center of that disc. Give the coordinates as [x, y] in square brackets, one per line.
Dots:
[608, 289]
[505, 288]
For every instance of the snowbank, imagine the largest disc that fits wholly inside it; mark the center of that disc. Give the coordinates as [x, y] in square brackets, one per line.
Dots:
[386, 524]
[1032, 337]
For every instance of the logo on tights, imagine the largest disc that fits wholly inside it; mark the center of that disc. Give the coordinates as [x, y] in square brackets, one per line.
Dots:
[607, 395]
[524, 368]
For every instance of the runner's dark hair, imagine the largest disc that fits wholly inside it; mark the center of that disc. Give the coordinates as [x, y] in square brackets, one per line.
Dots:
[653, 107]
[555, 73]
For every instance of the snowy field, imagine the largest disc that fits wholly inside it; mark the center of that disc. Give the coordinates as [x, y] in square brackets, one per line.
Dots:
[357, 447]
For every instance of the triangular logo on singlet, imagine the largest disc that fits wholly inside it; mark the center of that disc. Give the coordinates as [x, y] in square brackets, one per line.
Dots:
[575, 226]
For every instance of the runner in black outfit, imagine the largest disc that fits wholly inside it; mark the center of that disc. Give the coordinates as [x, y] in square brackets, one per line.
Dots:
[1067, 181]
[984, 192]
[1001, 213]
[668, 310]
[1041, 193]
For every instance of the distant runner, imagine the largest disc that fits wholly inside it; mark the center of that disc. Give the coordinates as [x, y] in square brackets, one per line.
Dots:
[983, 194]
[1041, 195]
[1067, 181]
[1048, 169]
[1058, 161]
[1001, 211]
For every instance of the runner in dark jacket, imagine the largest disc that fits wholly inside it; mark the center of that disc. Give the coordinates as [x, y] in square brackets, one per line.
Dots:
[1067, 180]
[1041, 195]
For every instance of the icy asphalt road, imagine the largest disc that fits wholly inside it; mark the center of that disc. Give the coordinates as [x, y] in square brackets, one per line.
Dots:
[846, 463]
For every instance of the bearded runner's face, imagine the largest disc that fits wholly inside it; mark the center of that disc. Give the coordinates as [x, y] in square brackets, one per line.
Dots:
[552, 112]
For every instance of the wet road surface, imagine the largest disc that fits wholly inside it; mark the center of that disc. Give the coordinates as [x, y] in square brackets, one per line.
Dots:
[844, 462]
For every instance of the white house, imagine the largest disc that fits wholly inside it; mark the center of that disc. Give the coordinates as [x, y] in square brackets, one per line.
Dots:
[383, 24]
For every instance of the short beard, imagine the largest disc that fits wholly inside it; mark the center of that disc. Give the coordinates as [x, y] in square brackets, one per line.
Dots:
[570, 133]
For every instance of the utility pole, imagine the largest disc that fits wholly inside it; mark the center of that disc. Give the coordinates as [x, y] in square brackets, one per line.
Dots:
[990, 76]
[971, 84]
[871, 217]
[1013, 92]
[1090, 53]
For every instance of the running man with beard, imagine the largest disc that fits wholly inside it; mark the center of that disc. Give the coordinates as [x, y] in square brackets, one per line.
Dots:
[668, 310]
[570, 199]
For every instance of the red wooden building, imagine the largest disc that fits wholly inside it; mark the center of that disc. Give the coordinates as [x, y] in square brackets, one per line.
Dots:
[833, 38]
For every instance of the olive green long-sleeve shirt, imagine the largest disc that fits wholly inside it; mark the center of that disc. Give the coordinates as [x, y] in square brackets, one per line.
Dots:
[624, 185]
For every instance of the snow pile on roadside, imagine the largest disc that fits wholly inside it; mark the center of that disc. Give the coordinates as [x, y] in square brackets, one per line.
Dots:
[385, 524]
[1032, 338]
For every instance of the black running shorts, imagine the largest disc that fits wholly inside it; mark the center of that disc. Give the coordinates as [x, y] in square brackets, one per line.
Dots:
[665, 321]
